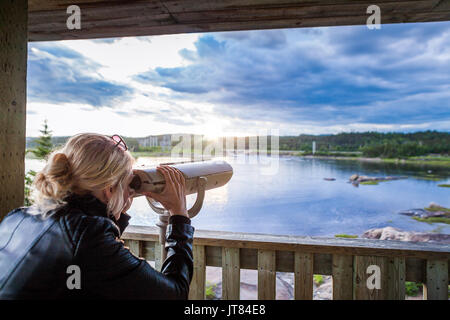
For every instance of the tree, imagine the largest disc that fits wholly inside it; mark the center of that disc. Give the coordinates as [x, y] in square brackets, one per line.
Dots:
[44, 143]
[43, 149]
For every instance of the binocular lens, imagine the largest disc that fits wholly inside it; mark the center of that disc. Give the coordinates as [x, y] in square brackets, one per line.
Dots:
[135, 183]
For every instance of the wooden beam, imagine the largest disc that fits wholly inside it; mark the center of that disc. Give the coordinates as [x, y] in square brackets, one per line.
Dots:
[197, 288]
[231, 274]
[303, 276]
[342, 277]
[436, 286]
[119, 18]
[266, 275]
[13, 75]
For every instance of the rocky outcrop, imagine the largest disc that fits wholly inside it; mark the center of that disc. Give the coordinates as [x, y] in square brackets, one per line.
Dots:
[433, 210]
[390, 233]
[356, 179]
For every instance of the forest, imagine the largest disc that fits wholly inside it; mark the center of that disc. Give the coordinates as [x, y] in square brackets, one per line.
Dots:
[368, 144]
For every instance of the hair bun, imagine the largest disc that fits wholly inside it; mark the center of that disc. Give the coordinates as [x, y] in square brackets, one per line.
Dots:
[60, 168]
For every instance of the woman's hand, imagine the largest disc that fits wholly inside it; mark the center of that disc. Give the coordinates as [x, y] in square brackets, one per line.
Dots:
[173, 197]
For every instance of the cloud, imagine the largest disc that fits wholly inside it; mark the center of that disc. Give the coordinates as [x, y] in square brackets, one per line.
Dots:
[322, 76]
[57, 74]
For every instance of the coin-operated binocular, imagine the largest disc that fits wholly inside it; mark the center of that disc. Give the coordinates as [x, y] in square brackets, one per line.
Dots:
[199, 176]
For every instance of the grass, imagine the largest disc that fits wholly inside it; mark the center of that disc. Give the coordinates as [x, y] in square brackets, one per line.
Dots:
[428, 178]
[433, 219]
[343, 235]
[444, 185]
[149, 154]
[437, 161]
[445, 219]
[437, 208]
[318, 279]
[412, 288]
[369, 183]
[209, 292]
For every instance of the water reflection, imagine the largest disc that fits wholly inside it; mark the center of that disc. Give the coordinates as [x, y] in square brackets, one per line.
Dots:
[297, 200]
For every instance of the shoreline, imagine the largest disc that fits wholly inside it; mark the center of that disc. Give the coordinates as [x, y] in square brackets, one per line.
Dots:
[433, 161]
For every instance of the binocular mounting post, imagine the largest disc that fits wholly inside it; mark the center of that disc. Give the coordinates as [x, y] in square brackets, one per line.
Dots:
[164, 214]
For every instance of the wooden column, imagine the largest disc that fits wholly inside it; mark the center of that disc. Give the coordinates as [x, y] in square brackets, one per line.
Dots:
[391, 278]
[197, 288]
[303, 276]
[342, 270]
[231, 274]
[266, 274]
[13, 75]
[436, 286]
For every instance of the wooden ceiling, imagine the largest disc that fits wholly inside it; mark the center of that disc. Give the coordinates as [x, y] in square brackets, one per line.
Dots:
[119, 18]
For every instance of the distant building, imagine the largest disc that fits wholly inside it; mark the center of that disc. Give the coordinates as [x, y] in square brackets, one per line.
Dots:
[163, 141]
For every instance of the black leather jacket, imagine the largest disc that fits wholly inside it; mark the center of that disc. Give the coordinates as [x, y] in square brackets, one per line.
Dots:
[35, 255]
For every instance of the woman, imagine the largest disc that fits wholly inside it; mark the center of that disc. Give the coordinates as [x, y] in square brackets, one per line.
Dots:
[68, 244]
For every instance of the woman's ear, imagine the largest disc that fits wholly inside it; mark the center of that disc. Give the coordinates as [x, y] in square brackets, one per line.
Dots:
[108, 193]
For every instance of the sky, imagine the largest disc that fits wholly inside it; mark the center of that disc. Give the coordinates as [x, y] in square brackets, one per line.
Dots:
[290, 81]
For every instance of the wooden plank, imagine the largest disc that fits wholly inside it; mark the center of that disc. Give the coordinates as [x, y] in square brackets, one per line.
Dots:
[316, 245]
[158, 256]
[135, 247]
[342, 277]
[396, 271]
[303, 276]
[436, 286]
[266, 275]
[151, 17]
[148, 250]
[231, 274]
[197, 288]
[13, 57]
[363, 279]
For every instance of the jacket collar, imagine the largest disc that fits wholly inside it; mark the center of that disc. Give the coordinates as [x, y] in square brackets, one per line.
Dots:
[88, 203]
[92, 206]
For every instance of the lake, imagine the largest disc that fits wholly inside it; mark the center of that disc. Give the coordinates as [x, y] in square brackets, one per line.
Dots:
[298, 201]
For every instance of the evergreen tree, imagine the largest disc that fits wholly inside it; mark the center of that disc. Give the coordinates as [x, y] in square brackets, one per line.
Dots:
[44, 148]
[44, 143]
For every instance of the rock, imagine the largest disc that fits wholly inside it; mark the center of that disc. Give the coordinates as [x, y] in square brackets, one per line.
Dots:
[422, 213]
[249, 284]
[325, 290]
[358, 179]
[390, 233]
[434, 205]
[329, 179]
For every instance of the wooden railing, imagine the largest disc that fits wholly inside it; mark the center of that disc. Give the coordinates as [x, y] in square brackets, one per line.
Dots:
[346, 260]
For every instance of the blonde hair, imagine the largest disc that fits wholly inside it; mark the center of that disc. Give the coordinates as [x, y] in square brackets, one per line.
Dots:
[87, 162]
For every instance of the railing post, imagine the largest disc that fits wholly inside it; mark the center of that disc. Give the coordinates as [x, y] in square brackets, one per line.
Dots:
[303, 276]
[342, 272]
[266, 274]
[436, 286]
[231, 274]
[197, 288]
[135, 247]
[13, 77]
[396, 274]
[361, 274]
[158, 255]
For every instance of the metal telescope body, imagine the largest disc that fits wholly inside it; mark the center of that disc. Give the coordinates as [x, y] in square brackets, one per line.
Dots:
[199, 176]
